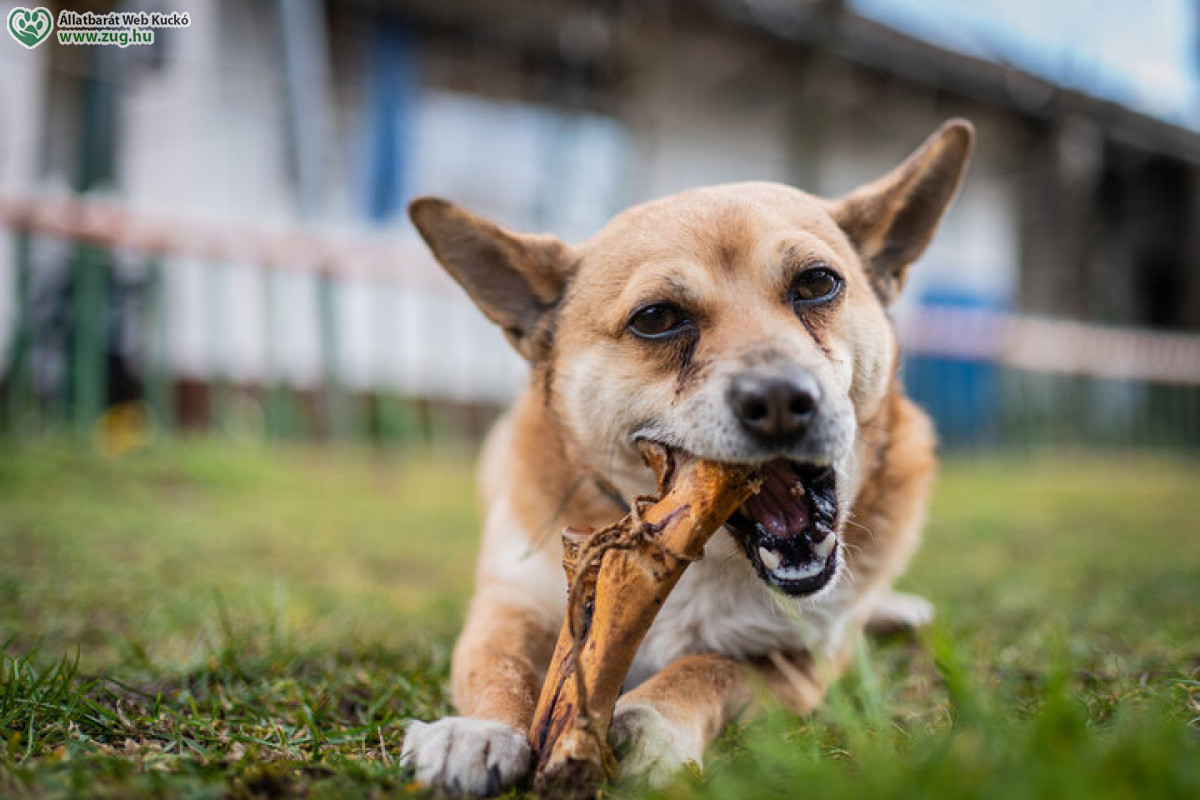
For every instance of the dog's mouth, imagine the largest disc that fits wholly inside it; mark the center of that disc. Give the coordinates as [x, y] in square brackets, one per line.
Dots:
[788, 529]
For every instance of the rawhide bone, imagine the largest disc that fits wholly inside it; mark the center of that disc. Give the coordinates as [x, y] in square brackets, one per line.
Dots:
[620, 577]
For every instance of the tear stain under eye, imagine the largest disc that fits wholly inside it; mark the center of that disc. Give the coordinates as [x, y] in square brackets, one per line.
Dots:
[808, 326]
[690, 369]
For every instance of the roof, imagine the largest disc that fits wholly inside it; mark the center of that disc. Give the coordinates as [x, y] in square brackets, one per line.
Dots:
[831, 26]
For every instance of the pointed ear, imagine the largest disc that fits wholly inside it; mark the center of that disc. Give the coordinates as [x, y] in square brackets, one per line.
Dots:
[513, 278]
[892, 220]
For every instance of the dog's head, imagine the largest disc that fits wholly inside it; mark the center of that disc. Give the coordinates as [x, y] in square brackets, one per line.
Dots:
[741, 323]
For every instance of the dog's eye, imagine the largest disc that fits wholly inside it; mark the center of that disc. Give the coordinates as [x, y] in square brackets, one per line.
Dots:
[815, 285]
[658, 321]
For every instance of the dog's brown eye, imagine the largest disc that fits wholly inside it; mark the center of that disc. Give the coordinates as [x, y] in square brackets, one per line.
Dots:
[658, 321]
[815, 285]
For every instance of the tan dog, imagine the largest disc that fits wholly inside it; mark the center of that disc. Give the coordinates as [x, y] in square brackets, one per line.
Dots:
[740, 323]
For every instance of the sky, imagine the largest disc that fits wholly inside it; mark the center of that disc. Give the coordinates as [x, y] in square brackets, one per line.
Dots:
[1141, 53]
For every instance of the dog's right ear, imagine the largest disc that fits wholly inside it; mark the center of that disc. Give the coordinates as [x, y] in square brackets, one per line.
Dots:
[513, 278]
[893, 219]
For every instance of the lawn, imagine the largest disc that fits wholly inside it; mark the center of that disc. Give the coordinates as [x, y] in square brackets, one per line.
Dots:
[212, 620]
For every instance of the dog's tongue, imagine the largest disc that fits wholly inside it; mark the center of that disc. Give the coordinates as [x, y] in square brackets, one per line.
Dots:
[779, 507]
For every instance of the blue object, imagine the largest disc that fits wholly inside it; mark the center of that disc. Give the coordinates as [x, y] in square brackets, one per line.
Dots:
[393, 85]
[962, 396]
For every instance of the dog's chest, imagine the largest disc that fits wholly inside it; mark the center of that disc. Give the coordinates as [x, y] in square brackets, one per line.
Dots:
[721, 606]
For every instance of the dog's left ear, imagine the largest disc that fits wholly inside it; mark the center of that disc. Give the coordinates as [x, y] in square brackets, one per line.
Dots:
[513, 278]
[893, 219]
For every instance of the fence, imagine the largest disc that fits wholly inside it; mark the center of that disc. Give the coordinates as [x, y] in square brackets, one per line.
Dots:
[103, 316]
[989, 379]
[1002, 380]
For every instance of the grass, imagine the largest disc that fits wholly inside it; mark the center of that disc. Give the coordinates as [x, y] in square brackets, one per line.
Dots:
[210, 620]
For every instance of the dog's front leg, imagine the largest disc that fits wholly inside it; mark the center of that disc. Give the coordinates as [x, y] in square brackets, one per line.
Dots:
[497, 672]
[669, 720]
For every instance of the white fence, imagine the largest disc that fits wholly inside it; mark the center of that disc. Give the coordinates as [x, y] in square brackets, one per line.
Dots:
[398, 325]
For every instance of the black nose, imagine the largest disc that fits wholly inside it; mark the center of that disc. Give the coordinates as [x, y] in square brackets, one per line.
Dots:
[776, 409]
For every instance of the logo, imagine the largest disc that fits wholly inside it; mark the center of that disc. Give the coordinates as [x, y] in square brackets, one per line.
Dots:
[30, 27]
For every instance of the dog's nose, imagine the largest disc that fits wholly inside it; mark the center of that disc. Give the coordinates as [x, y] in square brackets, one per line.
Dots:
[776, 408]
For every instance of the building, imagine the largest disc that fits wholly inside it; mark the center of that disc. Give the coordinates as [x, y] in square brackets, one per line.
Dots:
[546, 116]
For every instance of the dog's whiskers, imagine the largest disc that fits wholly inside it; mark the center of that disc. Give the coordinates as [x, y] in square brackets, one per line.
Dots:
[860, 526]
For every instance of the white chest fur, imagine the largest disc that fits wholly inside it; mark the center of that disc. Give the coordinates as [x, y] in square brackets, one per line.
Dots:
[719, 605]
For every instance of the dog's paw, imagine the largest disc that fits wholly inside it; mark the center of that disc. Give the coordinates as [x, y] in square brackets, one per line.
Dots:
[457, 756]
[650, 748]
[897, 611]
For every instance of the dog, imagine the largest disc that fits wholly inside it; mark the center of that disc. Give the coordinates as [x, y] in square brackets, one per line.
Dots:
[742, 323]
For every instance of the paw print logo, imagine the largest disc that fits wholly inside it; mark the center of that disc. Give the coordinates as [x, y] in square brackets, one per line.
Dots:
[30, 26]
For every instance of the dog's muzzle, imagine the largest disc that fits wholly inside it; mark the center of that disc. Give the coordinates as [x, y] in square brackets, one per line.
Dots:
[788, 529]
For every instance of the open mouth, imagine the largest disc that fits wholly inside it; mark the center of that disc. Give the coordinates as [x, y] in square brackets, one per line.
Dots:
[787, 529]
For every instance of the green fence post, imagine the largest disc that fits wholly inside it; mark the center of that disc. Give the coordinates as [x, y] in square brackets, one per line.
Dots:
[155, 348]
[219, 380]
[280, 413]
[97, 140]
[89, 368]
[332, 397]
[20, 390]
[1191, 416]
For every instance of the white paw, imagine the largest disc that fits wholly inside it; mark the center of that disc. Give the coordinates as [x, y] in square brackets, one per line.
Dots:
[651, 749]
[466, 757]
[897, 611]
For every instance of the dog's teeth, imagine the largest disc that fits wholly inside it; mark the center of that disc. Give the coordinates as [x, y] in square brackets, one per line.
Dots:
[770, 559]
[800, 573]
[823, 548]
[797, 489]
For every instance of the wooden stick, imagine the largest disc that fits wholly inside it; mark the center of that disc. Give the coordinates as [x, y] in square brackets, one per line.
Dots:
[620, 577]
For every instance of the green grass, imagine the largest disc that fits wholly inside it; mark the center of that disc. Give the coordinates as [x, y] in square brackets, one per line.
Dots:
[210, 620]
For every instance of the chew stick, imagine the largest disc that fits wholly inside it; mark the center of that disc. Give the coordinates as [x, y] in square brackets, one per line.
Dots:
[620, 577]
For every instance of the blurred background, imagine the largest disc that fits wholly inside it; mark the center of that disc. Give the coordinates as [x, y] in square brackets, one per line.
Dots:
[239, 401]
[208, 233]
